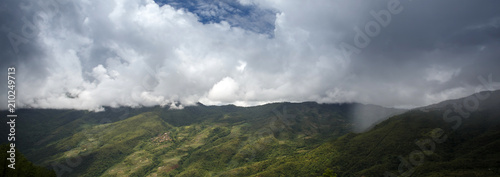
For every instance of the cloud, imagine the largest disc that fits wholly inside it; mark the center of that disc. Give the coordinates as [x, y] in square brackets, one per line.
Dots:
[224, 90]
[89, 54]
[245, 15]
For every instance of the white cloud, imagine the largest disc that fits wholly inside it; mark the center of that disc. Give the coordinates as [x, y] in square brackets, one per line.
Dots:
[242, 66]
[224, 91]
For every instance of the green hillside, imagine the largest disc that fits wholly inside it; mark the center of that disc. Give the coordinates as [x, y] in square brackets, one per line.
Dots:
[468, 151]
[416, 143]
[279, 139]
[22, 167]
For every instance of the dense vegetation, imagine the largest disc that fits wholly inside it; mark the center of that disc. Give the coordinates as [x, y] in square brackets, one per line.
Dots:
[22, 166]
[280, 139]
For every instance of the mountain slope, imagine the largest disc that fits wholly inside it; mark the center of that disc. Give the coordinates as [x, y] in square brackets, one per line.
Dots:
[453, 138]
[22, 166]
[195, 141]
[415, 143]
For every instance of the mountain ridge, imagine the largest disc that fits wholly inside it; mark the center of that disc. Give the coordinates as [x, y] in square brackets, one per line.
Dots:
[297, 139]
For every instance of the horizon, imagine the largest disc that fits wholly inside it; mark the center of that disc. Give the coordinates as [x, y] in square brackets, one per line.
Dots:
[179, 106]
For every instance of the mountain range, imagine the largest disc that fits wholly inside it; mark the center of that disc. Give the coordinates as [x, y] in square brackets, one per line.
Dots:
[458, 137]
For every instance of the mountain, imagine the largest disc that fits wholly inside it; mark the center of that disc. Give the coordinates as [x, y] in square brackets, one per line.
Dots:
[453, 138]
[195, 140]
[278, 139]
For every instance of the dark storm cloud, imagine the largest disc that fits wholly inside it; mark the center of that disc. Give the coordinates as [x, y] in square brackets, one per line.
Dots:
[428, 41]
[88, 54]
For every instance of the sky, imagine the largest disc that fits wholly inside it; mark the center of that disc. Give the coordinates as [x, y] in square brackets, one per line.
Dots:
[86, 54]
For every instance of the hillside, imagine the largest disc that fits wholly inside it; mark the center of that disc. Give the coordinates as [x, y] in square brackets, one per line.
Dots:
[22, 166]
[194, 141]
[279, 139]
[421, 142]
